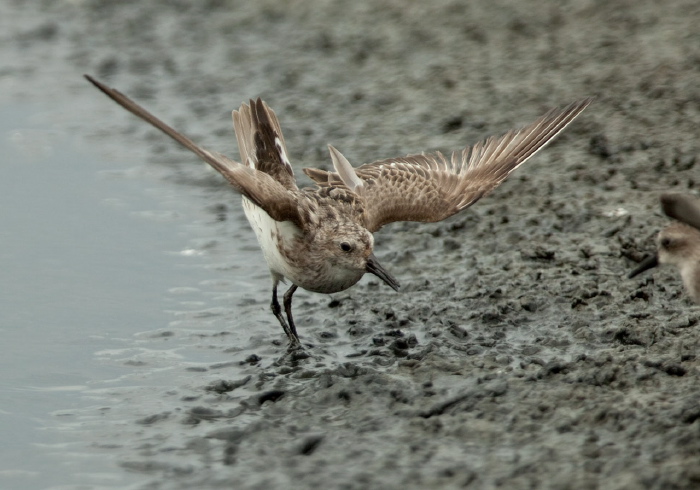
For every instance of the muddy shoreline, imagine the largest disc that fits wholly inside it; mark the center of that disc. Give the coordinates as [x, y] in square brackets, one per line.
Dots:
[517, 353]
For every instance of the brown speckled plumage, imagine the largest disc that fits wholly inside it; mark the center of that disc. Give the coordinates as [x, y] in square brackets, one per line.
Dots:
[321, 238]
[432, 187]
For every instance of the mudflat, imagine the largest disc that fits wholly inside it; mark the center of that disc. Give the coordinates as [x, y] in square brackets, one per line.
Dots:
[517, 353]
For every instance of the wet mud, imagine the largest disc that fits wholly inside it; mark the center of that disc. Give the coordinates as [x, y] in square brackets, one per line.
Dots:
[517, 353]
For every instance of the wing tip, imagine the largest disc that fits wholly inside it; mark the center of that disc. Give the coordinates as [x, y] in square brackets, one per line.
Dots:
[110, 92]
[681, 207]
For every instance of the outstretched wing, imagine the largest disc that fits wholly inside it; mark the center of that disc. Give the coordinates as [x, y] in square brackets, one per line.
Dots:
[430, 187]
[257, 186]
[261, 143]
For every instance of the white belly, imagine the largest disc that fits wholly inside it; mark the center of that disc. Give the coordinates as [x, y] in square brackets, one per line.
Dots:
[270, 233]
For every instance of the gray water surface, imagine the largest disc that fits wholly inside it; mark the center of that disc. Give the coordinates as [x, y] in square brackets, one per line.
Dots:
[96, 258]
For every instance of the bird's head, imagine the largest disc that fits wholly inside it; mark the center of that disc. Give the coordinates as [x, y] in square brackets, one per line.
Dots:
[348, 249]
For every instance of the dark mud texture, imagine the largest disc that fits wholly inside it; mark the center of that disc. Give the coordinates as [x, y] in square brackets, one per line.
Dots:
[517, 354]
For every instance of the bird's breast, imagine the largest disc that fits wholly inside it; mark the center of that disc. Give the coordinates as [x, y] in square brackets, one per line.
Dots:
[276, 239]
[331, 280]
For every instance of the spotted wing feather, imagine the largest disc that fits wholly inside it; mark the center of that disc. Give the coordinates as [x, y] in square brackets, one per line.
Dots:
[431, 187]
[261, 143]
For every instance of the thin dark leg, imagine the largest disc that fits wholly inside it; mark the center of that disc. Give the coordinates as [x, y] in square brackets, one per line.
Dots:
[288, 310]
[277, 311]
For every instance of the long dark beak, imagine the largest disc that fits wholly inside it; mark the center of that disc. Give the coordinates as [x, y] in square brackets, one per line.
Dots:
[648, 263]
[373, 267]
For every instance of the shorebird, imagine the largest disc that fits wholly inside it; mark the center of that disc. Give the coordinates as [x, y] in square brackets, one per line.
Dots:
[679, 243]
[320, 239]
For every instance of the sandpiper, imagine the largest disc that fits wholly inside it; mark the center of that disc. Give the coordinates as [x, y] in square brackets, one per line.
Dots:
[679, 243]
[320, 238]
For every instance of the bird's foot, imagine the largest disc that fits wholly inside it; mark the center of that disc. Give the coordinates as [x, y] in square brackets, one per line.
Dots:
[295, 353]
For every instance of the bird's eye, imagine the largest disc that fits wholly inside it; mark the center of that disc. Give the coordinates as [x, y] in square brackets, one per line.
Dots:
[665, 243]
[345, 247]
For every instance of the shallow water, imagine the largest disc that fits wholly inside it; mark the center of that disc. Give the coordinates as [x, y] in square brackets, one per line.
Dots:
[97, 259]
